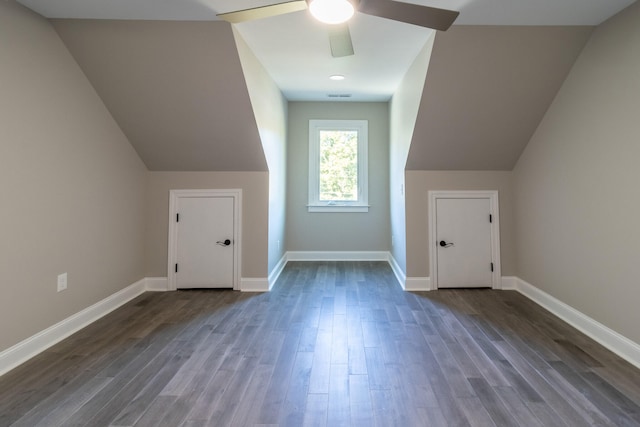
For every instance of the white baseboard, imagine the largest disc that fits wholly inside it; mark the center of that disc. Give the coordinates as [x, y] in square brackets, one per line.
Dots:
[26, 349]
[277, 270]
[509, 283]
[619, 344]
[397, 271]
[417, 284]
[338, 256]
[156, 284]
[409, 284]
[254, 284]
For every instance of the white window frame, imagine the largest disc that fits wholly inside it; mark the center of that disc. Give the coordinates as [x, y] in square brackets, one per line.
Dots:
[317, 205]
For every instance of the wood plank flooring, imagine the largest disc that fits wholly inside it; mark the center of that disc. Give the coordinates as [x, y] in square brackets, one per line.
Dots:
[334, 344]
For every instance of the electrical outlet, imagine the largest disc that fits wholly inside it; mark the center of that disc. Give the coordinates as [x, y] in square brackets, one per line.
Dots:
[278, 244]
[62, 282]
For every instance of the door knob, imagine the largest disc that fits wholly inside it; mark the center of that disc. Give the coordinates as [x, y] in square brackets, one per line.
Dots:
[227, 242]
[445, 244]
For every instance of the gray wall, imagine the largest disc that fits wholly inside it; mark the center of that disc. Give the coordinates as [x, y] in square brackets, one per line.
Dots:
[338, 231]
[255, 205]
[72, 187]
[577, 199]
[270, 110]
[418, 185]
[403, 111]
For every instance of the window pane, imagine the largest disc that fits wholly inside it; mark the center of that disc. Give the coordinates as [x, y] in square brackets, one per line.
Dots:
[339, 165]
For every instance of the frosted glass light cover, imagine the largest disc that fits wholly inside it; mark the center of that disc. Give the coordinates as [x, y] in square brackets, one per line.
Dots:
[331, 11]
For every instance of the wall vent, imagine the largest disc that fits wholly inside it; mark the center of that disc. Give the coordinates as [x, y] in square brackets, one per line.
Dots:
[339, 95]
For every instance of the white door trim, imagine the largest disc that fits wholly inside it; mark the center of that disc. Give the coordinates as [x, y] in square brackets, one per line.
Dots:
[174, 196]
[495, 231]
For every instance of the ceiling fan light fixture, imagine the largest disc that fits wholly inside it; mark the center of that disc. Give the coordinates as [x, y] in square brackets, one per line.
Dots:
[331, 11]
[336, 77]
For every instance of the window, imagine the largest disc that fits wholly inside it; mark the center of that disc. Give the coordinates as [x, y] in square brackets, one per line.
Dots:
[338, 166]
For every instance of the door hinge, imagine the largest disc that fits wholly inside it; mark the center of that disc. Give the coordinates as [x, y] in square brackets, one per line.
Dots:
[177, 217]
[177, 268]
[490, 218]
[491, 267]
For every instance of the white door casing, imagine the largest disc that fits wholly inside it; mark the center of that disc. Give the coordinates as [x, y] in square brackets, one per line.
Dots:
[206, 217]
[464, 239]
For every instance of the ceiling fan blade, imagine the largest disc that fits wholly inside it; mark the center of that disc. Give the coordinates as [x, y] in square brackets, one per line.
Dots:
[424, 16]
[263, 11]
[340, 40]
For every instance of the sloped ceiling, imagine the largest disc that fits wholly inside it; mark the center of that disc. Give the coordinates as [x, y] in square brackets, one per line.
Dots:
[176, 88]
[486, 90]
[178, 91]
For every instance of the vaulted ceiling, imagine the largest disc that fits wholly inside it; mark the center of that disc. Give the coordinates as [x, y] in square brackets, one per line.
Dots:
[294, 48]
[171, 76]
[486, 90]
[175, 88]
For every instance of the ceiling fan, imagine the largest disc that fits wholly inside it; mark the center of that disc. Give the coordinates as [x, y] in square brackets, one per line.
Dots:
[338, 12]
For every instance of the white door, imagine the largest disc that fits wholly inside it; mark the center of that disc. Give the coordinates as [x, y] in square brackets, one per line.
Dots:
[205, 230]
[463, 243]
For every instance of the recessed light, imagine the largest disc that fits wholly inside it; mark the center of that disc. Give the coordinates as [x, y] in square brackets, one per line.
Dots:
[337, 77]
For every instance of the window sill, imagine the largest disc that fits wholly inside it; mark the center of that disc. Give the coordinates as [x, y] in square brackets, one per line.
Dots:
[338, 208]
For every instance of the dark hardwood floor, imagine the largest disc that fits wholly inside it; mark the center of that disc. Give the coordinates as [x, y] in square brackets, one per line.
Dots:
[334, 344]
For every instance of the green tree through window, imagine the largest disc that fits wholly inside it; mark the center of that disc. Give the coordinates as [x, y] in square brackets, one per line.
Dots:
[338, 170]
[338, 165]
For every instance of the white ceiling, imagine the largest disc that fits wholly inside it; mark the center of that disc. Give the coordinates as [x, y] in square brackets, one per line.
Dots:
[295, 49]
